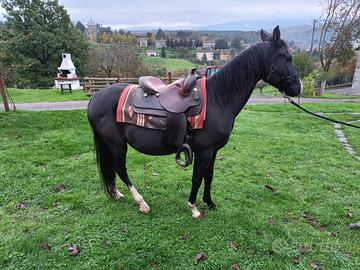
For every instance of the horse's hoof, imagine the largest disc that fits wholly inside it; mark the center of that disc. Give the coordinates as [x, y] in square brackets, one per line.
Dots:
[212, 206]
[196, 215]
[144, 209]
[118, 195]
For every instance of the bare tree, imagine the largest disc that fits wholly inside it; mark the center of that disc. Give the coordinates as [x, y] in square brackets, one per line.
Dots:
[340, 28]
[114, 60]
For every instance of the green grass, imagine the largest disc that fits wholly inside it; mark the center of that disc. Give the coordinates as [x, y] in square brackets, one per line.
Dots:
[298, 155]
[44, 95]
[170, 64]
[272, 91]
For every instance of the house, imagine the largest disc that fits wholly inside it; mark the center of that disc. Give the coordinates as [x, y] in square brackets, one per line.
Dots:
[91, 28]
[209, 44]
[159, 43]
[151, 53]
[208, 54]
[225, 55]
[143, 42]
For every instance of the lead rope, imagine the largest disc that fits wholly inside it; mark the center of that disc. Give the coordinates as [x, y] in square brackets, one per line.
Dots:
[317, 115]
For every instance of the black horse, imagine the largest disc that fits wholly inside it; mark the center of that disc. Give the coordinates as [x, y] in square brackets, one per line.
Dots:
[227, 93]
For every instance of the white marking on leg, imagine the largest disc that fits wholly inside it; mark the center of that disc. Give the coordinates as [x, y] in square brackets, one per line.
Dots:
[143, 207]
[194, 211]
[118, 194]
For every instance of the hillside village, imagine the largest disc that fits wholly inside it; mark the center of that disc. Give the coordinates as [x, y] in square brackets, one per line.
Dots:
[200, 47]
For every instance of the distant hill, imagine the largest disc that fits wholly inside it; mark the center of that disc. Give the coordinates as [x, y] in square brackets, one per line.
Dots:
[254, 25]
[291, 29]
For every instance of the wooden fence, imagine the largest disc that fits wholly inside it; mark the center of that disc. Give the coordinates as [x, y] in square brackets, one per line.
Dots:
[93, 84]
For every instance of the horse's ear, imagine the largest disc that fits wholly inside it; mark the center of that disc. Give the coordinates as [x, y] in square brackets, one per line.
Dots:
[264, 35]
[276, 34]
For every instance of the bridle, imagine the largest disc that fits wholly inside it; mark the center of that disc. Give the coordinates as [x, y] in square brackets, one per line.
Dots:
[276, 77]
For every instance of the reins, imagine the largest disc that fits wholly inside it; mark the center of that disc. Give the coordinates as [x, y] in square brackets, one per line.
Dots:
[317, 115]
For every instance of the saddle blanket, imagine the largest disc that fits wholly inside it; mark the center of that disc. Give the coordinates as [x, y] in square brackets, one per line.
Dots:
[125, 112]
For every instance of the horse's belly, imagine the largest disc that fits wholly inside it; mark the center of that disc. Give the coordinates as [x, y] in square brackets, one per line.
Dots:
[147, 141]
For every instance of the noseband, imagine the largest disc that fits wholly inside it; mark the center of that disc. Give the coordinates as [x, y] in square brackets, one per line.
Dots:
[276, 77]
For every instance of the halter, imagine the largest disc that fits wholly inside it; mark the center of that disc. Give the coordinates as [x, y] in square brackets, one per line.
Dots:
[278, 78]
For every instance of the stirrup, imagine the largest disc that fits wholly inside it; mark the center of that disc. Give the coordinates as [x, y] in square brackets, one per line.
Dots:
[188, 155]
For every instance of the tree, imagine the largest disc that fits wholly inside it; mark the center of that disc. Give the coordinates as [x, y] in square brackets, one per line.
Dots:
[203, 59]
[236, 44]
[160, 34]
[40, 31]
[221, 44]
[79, 25]
[163, 53]
[340, 28]
[114, 60]
[304, 64]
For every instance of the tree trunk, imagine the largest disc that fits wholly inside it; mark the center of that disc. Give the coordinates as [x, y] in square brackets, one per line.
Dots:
[3, 93]
[321, 90]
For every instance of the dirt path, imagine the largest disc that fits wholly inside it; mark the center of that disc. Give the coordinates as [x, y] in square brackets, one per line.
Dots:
[72, 105]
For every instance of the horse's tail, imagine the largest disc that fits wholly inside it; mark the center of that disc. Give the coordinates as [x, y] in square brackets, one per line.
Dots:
[105, 164]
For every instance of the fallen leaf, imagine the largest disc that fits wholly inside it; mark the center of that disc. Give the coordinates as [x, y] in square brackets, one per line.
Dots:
[221, 158]
[60, 188]
[21, 205]
[270, 221]
[311, 220]
[350, 213]
[56, 203]
[46, 247]
[274, 191]
[270, 187]
[124, 229]
[200, 257]
[183, 237]
[74, 250]
[153, 264]
[234, 245]
[295, 260]
[302, 249]
[235, 267]
[315, 266]
[155, 174]
[354, 226]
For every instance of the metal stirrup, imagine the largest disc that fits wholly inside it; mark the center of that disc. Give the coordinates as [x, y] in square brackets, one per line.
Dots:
[188, 155]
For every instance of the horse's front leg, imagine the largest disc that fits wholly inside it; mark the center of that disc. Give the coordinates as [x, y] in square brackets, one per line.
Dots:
[208, 177]
[201, 165]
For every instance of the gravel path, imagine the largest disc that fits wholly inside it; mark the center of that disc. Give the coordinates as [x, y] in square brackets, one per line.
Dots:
[72, 105]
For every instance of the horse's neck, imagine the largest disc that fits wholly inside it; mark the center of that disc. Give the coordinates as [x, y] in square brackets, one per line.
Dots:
[236, 82]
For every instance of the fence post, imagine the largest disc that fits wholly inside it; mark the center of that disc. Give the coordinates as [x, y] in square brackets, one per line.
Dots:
[169, 77]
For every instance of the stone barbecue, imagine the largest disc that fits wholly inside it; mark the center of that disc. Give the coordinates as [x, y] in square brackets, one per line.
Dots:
[67, 74]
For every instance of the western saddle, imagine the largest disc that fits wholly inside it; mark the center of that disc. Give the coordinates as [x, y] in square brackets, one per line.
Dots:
[181, 97]
[177, 97]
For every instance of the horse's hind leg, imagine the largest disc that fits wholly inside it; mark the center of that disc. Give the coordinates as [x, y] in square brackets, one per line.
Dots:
[201, 165]
[119, 154]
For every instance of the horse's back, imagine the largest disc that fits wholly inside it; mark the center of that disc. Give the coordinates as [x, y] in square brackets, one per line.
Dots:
[104, 102]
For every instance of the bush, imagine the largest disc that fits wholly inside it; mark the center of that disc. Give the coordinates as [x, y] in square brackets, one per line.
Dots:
[309, 84]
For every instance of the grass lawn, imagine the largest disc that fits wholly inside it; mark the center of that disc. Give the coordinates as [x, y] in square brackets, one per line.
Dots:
[299, 156]
[44, 95]
[272, 91]
[169, 63]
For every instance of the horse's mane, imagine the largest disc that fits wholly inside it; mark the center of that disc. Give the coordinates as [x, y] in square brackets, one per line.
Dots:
[236, 77]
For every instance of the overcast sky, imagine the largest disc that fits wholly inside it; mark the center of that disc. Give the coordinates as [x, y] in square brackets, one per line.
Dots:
[187, 13]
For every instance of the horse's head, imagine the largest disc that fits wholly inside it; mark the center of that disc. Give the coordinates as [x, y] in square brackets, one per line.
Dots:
[280, 71]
